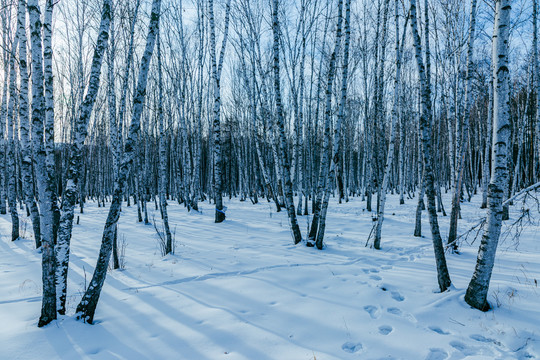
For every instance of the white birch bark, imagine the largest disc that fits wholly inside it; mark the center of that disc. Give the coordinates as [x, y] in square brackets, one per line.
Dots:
[280, 122]
[70, 194]
[391, 144]
[11, 148]
[536, 81]
[477, 291]
[163, 156]
[456, 196]
[24, 125]
[336, 143]
[443, 276]
[87, 307]
[42, 157]
[487, 148]
[327, 146]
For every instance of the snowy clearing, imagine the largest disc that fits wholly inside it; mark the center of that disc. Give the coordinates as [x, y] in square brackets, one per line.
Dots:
[242, 290]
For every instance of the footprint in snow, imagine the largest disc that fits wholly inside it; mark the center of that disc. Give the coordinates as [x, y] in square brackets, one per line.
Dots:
[437, 354]
[481, 338]
[398, 312]
[466, 350]
[438, 330]
[385, 329]
[373, 270]
[397, 296]
[375, 277]
[394, 311]
[386, 267]
[351, 347]
[372, 310]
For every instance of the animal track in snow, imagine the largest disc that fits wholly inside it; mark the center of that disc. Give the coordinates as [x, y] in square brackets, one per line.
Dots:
[438, 330]
[398, 312]
[372, 310]
[375, 277]
[437, 354]
[466, 350]
[351, 347]
[385, 329]
[481, 338]
[394, 311]
[397, 296]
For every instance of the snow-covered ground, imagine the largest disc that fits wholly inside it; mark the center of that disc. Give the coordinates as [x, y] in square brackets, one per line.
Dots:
[242, 290]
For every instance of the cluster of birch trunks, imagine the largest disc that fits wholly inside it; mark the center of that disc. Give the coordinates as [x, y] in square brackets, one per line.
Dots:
[290, 102]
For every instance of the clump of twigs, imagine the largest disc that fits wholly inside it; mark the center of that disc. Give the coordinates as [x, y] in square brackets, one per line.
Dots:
[162, 238]
[512, 230]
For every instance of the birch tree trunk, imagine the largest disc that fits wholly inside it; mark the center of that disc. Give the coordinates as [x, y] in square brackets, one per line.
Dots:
[280, 122]
[391, 144]
[341, 114]
[456, 196]
[113, 121]
[216, 75]
[43, 155]
[11, 149]
[443, 276]
[163, 156]
[324, 175]
[477, 291]
[487, 148]
[536, 82]
[49, 109]
[70, 194]
[3, 110]
[87, 307]
[24, 125]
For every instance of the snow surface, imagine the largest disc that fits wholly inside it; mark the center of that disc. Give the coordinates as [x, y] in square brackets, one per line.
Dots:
[242, 290]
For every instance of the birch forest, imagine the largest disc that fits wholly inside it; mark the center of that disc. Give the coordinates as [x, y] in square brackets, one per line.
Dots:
[329, 128]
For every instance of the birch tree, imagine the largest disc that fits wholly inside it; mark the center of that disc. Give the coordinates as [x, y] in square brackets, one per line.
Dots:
[280, 122]
[443, 276]
[162, 155]
[24, 125]
[43, 155]
[476, 294]
[87, 306]
[80, 132]
[216, 76]
[391, 143]
[456, 196]
[536, 80]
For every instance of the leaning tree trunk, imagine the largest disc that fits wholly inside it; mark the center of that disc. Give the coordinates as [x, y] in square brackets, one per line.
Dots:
[87, 306]
[476, 294]
[70, 194]
[280, 122]
[425, 129]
